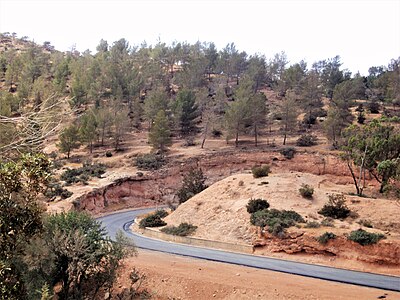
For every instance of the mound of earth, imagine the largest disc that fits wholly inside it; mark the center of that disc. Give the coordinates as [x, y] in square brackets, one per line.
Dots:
[220, 214]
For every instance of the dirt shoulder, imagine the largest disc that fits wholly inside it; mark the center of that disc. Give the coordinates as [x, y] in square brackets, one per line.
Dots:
[174, 277]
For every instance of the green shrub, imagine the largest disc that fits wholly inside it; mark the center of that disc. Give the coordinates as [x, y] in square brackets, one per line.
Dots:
[306, 191]
[193, 183]
[306, 140]
[216, 133]
[152, 220]
[55, 189]
[365, 238]
[184, 229]
[336, 207]
[374, 107]
[150, 161]
[328, 222]
[83, 174]
[260, 171]
[324, 238]
[276, 220]
[365, 223]
[313, 224]
[256, 205]
[288, 152]
[161, 213]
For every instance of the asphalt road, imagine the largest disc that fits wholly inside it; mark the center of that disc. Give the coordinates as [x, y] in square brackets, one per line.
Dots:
[122, 221]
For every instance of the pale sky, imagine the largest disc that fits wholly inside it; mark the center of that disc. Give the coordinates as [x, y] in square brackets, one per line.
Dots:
[364, 33]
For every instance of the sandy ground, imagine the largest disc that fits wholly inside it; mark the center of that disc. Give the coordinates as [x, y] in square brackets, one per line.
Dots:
[175, 277]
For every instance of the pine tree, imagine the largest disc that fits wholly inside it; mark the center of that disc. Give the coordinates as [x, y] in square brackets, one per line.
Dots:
[69, 139]
[160, 135]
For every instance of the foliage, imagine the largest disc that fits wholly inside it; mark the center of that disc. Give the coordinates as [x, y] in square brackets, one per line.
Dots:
[306, 140]
[74, 250]
[373, 147]
[328, 222]
[160, 135]
[324, 238]
[366, 223]
[335, 207]
[186, 111]
[256, 205]
[276, 220]
[193, 183]
[365, 238]
[55, 189]
[261, 171]
[306, 191]
[288, 152]
[289, 113]
[150, 161]
[313, 224]
[183, 229]
[153, 220]
[69, 140]
[82, 174]
[374, 107]
[20, 217]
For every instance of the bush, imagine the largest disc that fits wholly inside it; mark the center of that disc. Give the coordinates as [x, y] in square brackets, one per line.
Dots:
[306, 140]
[193, 183]
[306, 191]
[365, 238]
[324, 238]
[256, 205]
[336, 207]
[328, 222]
[152, 220]
[184, 229]
[161, 213]
[83, 174]
[276, 220]
[365, 223]
[313, 224]
[216, 133]
[260, 171]
[109, 154]
[55, 189]
[150, 161]
[374, 107]
[288, 152]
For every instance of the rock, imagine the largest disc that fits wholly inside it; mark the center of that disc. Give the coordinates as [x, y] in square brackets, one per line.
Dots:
[106, 296]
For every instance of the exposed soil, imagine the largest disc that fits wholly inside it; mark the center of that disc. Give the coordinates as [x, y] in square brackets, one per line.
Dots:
[175, 277]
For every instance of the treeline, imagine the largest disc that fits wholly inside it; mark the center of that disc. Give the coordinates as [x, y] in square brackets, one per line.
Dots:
[121, 86]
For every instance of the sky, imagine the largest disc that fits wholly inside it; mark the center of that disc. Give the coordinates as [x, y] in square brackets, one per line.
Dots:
[364, 33]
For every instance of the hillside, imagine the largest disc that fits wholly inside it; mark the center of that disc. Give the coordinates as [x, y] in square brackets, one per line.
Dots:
[220, 214]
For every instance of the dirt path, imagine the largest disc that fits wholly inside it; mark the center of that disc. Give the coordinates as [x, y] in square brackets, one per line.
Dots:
[174, 277]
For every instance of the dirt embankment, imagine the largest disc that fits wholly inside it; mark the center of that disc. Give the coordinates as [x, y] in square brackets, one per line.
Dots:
[160, 186]
[220, 214]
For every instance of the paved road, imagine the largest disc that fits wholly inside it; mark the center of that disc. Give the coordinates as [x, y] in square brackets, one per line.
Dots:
[122, 221]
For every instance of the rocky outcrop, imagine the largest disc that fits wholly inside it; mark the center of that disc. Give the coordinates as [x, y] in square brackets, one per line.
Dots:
[383, 253]
[160, 186]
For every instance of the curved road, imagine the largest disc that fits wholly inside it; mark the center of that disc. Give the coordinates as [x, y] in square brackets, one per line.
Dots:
[122, 221]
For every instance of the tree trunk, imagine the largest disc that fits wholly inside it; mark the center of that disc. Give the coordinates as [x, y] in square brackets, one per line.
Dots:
[255, 134]
[205, 135]
[237, 138]
[354, 178]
